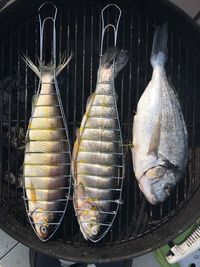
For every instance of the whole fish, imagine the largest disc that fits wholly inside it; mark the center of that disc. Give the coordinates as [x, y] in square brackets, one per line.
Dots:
[97, 160]
[159, 132]
[46, 169]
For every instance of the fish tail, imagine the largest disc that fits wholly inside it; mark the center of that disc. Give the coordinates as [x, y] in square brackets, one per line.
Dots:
[121, 58]
[120, 61]
[64, 63]
[159, 48]
[30, 63]
[61, 66]
[108, 57]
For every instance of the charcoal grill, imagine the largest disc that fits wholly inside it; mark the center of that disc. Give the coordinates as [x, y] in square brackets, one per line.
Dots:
[139, 227]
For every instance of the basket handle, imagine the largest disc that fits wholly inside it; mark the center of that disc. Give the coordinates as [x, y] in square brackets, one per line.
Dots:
[104, 27]
[42, 22]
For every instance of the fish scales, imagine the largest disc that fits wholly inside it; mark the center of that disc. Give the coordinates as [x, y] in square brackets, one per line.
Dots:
[98, 157]
[46, 182]
[47, 134]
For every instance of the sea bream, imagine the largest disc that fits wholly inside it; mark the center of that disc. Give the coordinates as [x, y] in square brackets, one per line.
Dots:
[46, 168]
[160, 140]
[97, 159]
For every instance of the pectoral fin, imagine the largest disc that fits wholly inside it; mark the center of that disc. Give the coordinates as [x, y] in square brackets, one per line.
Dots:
[32, 193]
[154, 140]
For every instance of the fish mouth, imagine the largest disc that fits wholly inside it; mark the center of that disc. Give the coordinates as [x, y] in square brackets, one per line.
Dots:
[161, 196]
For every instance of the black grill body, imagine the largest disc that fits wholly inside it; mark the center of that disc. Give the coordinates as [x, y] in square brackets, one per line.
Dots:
[139, 227]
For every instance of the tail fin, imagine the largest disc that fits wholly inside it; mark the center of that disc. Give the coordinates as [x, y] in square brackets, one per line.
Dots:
[64, 63]
[159, 48]
[37, 70]
[121, 58]
[109, 56]
[29, 62]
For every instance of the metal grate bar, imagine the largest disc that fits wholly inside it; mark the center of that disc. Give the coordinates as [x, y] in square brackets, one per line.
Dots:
[10, 125]
[146, 51]
[1, 121]
[18, 120]
[194, 125]
[91, 49]
[83, 61]
[67, 99]
[138, 57]
[186, 113]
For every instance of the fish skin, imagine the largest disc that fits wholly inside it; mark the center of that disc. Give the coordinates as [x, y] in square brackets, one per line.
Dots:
[97, 152]
[47, 157]
[160, 140]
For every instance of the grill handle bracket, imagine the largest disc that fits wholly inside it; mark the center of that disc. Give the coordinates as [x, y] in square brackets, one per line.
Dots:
[104, 27]
[42, 22]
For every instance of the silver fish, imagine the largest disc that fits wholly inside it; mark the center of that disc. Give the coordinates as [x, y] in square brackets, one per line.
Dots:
[97, 160]
[160, 140]
[46, 169]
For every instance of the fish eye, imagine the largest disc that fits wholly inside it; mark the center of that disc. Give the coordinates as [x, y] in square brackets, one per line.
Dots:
[94, 231]
[43, 229]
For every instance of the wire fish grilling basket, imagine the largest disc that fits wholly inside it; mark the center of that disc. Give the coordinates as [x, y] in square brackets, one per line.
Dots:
[138, 227]
[102, 183]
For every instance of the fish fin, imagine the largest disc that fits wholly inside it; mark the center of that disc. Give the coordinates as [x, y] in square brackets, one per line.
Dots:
[108, 56]
[32, 193]
[34, 101]
[90, 97]
[154, 140]
[74, 155]
[159, 47]
[78, 133]
[121, 60]
[31, 65]
[64, 63]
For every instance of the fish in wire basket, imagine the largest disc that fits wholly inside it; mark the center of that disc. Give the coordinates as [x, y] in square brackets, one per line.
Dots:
[160, 139]
[97, 159]
[46, 167]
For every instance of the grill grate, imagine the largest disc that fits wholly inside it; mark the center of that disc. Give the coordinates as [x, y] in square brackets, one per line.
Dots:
[78, 28]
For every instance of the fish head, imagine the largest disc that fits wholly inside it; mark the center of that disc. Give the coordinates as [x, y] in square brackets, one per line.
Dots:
[158, 183]
[89, 218]
[42, 221]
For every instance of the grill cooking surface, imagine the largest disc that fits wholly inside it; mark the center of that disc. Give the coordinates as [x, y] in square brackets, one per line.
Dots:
[78, 29]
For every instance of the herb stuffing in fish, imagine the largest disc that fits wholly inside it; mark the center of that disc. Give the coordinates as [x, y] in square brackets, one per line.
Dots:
[160, 141]
[97, 159]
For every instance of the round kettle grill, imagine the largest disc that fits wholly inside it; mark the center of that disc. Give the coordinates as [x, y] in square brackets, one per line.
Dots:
[138, 227]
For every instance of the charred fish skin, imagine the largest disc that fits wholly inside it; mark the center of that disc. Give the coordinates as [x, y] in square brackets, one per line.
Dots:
[46, 168]
[160, 140]
[97, 159]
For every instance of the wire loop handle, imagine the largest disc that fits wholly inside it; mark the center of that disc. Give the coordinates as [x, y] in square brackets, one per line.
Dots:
[115, 27]
[42, 25]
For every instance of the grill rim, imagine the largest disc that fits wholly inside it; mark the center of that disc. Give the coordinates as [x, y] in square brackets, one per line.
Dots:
[126, 248]
[119, 251]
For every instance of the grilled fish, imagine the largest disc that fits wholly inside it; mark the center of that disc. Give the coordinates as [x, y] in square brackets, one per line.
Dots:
[159, 132]
[97, 159]
[46, 169]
